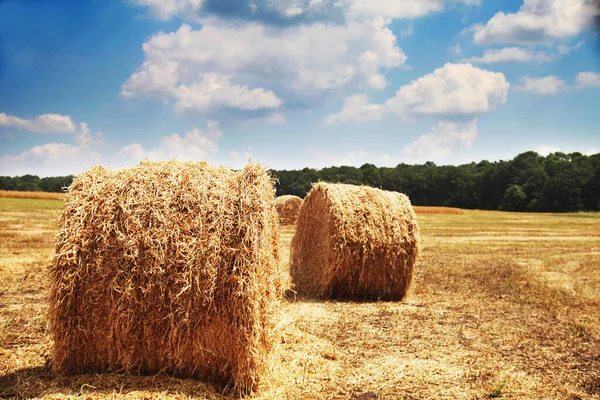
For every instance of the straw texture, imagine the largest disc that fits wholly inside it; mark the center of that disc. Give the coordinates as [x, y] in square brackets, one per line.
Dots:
[288, 208]
[354, 242]
[167, 267]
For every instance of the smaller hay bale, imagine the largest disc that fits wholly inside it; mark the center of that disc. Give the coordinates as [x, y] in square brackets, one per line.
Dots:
[288, 208]
[354, 242]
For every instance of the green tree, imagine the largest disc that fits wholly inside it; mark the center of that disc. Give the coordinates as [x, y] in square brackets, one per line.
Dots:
[514, 199]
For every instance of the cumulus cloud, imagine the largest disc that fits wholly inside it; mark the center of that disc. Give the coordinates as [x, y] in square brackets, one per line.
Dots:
[454, 93]
[586, 80]
[156, 80]
[564, 49]
[545, 150]
[354, 158]
[248, 65]
[56, 158]
[293, 12]
[196, 144]
[46, 123]
[443, 140]
[544, 85]
[454, 90]
[239, 160]
[393, 8]
[536, 22]
[215, 91]
[166, 9]
[356, 110]
[455, 50]
[507, 54]
[276, 118]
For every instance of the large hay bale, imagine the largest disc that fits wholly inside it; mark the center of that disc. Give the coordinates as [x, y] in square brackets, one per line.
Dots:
[354, 242]
[167, 267]
[288, 208]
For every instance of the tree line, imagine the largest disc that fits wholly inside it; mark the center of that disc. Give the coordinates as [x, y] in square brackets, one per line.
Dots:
[33, 183]
[528, 182]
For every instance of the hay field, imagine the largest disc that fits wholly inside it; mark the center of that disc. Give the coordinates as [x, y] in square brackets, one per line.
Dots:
[503, 305]
[15, 194]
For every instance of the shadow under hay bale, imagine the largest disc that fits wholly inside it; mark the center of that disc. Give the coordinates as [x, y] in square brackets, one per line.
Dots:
[288, 208]
[167, 267]
[354, 242]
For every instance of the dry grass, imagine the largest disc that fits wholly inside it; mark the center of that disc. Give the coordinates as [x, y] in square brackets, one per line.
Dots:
[437, 210]
[167, 267]
[14, 194]
[491, 314]
[354, 242]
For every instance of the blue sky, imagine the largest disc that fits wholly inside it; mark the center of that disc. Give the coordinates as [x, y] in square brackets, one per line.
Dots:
[294, 83]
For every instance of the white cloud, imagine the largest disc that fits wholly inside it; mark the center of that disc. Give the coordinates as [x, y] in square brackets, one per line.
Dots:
[591, 151]
[509, 54]
[287, 9]
[134, 152]
[293, 11]
[397, 9]
[253, 64]
[409, 31]
[356, 110]
[455, 50]
[451, 91]
[545, 150]
[454, 93]
[393, 8]
[276, 118]
[56, 158]
[155, 79]
[215, 91]
[354, 158]
[545, 85]
[84, 139]
[564, 49]
[537, 21]
[239, 160]
[46, 123]
[166, 9]
[588, 80]
[195, 145]
[443, 140]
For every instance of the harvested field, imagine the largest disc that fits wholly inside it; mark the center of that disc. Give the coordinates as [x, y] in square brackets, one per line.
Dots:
[14, 194]
[437, 210]
[485, 318]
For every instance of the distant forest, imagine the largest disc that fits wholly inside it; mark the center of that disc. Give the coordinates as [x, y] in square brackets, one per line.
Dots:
[529, 182]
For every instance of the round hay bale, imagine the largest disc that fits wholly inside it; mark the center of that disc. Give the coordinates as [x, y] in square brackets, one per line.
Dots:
[167, 267]
[354, 242]
[288, 208]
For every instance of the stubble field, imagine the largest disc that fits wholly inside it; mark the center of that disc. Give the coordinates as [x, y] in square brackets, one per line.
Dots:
[503, 305]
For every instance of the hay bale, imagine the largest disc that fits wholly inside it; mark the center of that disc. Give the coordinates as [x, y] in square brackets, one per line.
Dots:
[167, 267]
[354, 242]
[288, 208]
